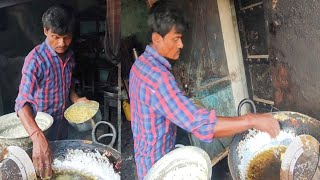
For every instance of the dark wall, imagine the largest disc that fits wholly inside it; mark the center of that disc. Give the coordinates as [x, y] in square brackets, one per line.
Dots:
[203, 59]
[286, 34]
[10, 76]
[134, 20]
[294, 50]
[19, 33]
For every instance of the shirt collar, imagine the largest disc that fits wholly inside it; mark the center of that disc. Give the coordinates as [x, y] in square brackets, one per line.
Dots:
[158, 57]
[53, 52]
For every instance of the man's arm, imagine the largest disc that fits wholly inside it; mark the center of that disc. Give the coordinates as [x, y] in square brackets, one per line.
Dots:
[205, 124]
[41, 153]
[75, 98]
[26, 108]
[28, 120]
[73, 95]
[228, 126]
[181, 111]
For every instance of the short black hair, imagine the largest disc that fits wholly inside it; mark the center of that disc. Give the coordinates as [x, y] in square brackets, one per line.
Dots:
[164, 15]
[59, 19]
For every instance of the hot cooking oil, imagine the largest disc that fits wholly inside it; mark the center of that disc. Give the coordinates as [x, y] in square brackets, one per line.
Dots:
[266, 165]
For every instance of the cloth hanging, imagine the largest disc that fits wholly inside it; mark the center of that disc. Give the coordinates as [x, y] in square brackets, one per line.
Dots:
[112, 39]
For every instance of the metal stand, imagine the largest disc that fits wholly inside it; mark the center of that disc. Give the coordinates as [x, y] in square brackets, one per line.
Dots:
[112, 98]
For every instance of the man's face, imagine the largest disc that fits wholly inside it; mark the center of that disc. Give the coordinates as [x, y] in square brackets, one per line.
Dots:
[171, 44]
[60, 44]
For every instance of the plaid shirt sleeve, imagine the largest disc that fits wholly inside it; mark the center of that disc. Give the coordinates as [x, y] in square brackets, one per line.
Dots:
[28, 84]
[182, 112]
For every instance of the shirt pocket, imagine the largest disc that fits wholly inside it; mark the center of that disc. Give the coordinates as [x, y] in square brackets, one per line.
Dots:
[145, 94]
[51, 80]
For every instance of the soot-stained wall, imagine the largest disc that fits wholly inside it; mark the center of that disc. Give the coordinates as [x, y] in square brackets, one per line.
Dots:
[294, 51]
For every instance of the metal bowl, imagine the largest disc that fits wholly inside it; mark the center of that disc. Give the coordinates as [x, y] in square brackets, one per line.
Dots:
[187, 162]
[12, 132]
[90, 122]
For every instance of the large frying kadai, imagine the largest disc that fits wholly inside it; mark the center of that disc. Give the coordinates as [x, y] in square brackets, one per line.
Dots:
[247, 145]
[77, 148]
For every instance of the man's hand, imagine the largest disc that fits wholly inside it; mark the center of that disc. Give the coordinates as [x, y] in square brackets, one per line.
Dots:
[82, 99]
[41, 155]
[265, 122]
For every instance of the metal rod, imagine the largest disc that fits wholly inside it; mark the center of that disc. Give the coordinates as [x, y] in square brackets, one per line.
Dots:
[257, 56]
[255, 98]
[251, 6]
[204, 87]
[119, 107]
